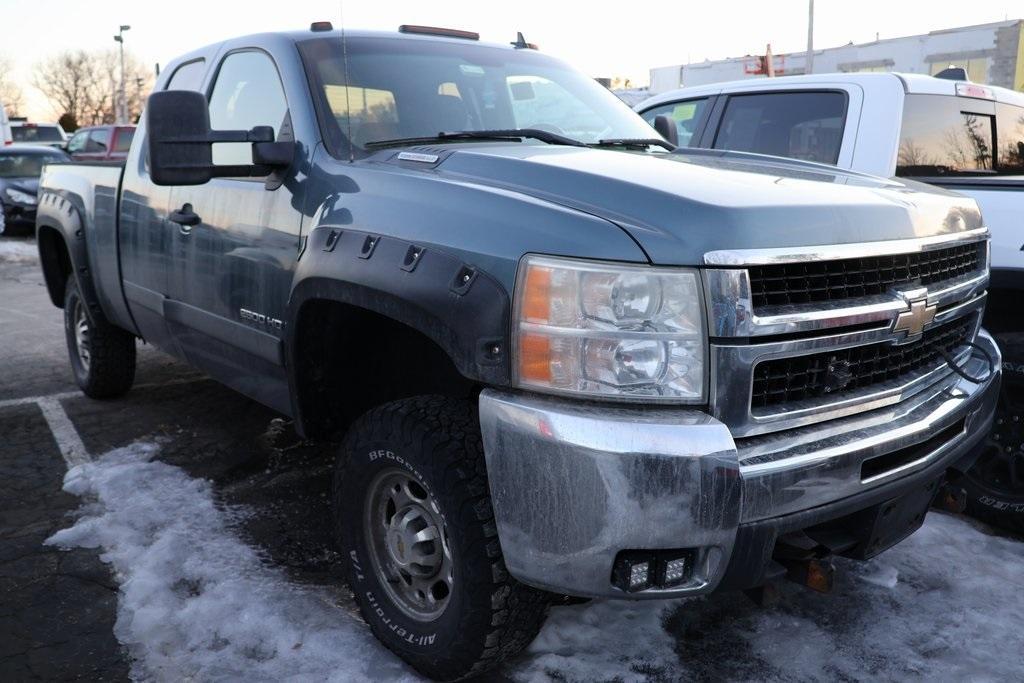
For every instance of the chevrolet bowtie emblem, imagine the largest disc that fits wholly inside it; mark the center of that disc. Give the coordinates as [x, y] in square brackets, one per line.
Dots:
[914, 321]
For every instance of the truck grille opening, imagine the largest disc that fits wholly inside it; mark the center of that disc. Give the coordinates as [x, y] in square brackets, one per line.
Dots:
[873, 467]
[785, 380]
[816, 281]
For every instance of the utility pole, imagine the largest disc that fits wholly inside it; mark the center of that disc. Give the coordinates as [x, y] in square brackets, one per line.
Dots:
[809, 68]
[122, 104]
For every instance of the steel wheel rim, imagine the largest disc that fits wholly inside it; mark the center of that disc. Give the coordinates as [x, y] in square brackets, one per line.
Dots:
[409, 547]
[81, 329]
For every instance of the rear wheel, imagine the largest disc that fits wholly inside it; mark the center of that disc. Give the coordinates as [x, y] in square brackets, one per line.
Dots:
[102, 355]
[413, 514]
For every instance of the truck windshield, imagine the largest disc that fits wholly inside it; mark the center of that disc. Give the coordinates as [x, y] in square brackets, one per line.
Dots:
[411, 88]
[959, 136]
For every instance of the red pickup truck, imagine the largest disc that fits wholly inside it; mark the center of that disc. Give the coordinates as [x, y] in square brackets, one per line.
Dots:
[101, 143]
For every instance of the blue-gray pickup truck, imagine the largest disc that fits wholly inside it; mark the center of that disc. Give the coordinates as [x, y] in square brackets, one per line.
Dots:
[567, 359]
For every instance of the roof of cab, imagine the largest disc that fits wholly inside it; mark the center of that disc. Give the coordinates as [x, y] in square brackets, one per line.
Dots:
[911, 83]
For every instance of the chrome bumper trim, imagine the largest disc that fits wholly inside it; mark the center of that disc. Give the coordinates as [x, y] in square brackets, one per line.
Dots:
[574, 483]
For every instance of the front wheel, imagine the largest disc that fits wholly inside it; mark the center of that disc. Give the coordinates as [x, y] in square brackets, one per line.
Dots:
[413, 515]
[102, 356]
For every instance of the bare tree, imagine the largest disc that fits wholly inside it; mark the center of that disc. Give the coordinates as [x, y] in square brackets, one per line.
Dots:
[11, 95]
[85, 85]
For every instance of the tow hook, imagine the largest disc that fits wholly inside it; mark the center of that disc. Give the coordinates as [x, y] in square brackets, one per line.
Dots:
[950, 498]
[807, 562]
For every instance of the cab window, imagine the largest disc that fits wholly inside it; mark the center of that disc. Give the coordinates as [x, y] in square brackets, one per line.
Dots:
[686, 115]
[99, 140]
[247, 93]
[798, 125]
[77, 142]
[943, 135]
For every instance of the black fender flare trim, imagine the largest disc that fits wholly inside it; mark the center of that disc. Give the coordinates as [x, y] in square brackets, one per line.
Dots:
[56, 212]
[461, 308]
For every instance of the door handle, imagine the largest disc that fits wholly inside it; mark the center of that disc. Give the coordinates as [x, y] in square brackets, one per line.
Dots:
[185, 217]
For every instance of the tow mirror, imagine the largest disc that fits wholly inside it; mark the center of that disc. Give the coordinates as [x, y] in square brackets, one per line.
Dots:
[181, 143]
[666, 128]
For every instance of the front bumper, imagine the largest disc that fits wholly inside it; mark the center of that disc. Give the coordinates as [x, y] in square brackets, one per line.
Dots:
[573, 484]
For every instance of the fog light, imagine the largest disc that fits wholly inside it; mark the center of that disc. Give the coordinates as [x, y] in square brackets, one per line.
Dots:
[633, 572]
[672, 571]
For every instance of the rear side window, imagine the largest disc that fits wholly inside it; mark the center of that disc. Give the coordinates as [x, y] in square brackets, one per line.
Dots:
[798, 125]
[686, 114]
[124, 139]
[188, 76]
[99, 140]
[248, 93]
[1010, 132]
[944, 135]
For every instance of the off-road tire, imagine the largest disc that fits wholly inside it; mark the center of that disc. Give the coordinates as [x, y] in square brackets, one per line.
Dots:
[110, 371]
[993, 496]
[489, 616]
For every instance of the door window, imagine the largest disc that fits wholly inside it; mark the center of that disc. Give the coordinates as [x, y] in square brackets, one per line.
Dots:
[247, 93]
[77, 142]
[188, 76]
[99, 141]
[798, 125]
[686, 114]
[124, 139]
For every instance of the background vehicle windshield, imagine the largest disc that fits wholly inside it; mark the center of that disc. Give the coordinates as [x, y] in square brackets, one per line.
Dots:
[36, 134]
[25, 165]
[418, 88]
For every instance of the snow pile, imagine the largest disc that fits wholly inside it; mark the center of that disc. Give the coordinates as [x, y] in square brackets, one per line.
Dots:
[18, 251]
[196, 603]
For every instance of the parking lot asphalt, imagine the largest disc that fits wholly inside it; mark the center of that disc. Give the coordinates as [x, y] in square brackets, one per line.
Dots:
[946, 604]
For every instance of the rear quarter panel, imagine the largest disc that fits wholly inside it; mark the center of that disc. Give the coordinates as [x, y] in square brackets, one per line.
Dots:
[80, 200]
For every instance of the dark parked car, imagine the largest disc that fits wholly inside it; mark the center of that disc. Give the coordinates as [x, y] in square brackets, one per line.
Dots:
[20, 167]
[101, 143]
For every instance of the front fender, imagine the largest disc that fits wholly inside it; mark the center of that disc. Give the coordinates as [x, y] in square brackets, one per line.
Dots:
[459, 307]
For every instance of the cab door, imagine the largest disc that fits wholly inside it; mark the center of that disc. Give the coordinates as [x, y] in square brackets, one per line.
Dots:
[236, 242]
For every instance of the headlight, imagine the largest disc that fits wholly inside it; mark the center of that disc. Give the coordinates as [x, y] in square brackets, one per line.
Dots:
[609, 330]
[21, 197]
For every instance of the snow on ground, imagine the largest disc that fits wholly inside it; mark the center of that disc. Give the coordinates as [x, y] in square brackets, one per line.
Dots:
[198, 603]
[18, 251]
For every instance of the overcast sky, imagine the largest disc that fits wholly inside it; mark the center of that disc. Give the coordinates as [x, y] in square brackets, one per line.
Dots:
[602, 41]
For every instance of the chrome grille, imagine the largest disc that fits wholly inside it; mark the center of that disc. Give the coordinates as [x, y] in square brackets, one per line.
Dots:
[769, 357]
[809, 282]
[781, 381]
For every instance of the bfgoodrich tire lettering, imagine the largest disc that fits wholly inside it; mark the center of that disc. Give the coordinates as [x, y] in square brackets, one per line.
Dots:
[102, 356]
[488, 616]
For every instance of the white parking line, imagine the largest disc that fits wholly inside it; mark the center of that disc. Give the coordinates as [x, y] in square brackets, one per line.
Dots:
[72, 449]
[64, 432]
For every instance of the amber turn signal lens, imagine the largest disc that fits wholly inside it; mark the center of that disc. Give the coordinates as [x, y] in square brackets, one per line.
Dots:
[535, 358]
[537, 295]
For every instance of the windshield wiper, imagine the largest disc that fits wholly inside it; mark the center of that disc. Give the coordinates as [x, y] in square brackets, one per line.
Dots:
[634, 142]
[498, 134]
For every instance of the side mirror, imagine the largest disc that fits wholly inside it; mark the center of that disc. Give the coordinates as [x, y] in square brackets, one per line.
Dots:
[666, 128]
[181, 143]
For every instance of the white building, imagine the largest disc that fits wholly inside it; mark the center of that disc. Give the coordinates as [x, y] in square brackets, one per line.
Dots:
[991, 53]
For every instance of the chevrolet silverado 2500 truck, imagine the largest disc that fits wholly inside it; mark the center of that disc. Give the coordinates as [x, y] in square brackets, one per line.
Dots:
[567, 360]
[943, 131]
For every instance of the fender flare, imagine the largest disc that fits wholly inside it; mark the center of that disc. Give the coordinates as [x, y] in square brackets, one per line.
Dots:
[461, 308]
[59, 213]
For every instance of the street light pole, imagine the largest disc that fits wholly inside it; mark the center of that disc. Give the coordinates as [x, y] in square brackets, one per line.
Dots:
[122, 105]
[809, 68]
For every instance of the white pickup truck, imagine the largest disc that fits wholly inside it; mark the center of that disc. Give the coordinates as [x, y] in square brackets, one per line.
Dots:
[943, 131]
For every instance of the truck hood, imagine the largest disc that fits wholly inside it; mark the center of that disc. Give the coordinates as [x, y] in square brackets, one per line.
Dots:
[677, 207]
